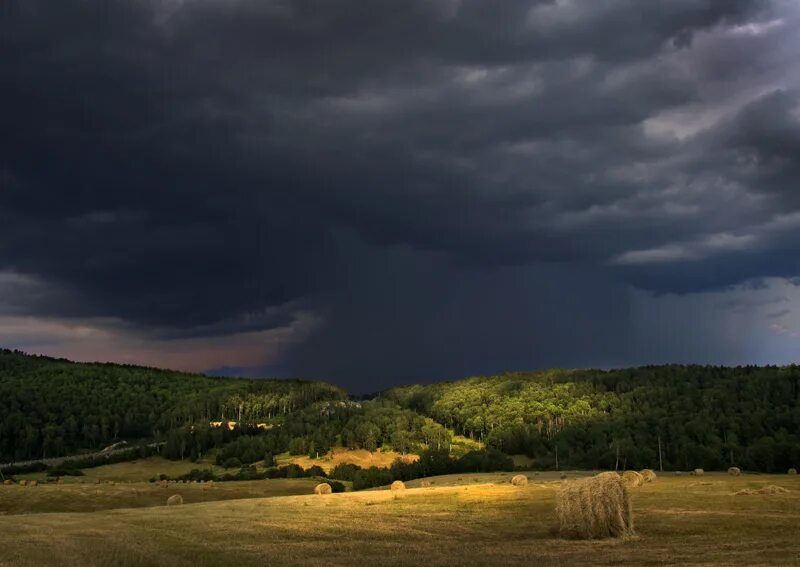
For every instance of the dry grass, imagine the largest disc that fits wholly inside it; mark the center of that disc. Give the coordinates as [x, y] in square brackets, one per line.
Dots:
[468, 524]
[596, 507]
[769, 489]
[360, 457]
[519, 480]
[49, 498]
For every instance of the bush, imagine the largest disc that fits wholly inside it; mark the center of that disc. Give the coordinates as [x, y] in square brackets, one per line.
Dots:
[64, 472]
[344, 471]
[232, 463]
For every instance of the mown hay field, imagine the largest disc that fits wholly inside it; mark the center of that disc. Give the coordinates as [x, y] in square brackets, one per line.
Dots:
[678, 520]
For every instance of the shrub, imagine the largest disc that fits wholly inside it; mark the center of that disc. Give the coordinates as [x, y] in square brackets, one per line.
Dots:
[344, 471]
[232, 463]
[64, 472]
[595, 507]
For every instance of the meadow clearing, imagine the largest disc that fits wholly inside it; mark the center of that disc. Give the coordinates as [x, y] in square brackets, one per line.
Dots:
[470, 519]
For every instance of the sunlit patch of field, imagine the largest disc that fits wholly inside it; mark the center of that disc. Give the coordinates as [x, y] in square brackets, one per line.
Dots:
[679, 520]
[338, 455]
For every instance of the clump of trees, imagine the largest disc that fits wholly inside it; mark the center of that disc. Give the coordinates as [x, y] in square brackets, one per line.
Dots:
[675, 416]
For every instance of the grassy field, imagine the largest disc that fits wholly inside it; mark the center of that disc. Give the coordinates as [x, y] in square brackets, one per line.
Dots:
[360, 457]
[460, 520]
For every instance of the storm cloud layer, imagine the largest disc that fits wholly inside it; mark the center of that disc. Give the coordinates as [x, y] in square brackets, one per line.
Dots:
[375, 191]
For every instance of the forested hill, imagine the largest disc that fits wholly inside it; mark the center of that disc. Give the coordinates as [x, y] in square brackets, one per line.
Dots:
[52, 407]
[703, 416]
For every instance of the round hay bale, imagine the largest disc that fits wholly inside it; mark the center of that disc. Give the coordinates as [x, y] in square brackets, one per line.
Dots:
[175, 500]
[678, 473]
[595, 507]
[608, 474]
[648, 475]
[734, 471]
[632, 479]
[698, 472]
[60, 481]
[519, 480]
[563, 476]
[792, 471]
[425, 483]
[323, 488]
[398, 485]
[23, 482]
[8, 482]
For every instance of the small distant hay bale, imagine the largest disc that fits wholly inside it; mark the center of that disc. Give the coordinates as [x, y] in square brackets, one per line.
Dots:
[97, 481]
[175, 500]
[60, 481]
[563, 476]
[8, 482]
[595, 507]
[33, 483]
[698, 472]
[734, 471]
[769, 489]
[23, 482]
[519, 480]
[678, 473]
[632, 479]
[648, 475]
[163, 483]
[323, 488]
[425, 483]
[792, 471]
[210, 483]
[398, 485]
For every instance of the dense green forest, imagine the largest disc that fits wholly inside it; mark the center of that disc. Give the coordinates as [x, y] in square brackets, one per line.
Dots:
[700, 416]
[675, 417]
[54, 407]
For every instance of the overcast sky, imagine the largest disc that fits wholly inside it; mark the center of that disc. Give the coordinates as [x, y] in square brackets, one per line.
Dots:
[385, 191]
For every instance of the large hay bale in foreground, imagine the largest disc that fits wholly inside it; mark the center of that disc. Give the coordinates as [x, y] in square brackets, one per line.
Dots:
[519, 480]
[698, 472]
[734, 471]
[398, 485]
[323, 488]
[175, 500]
[632, 479]
[792, 471]
[595, 507]
[648, 475]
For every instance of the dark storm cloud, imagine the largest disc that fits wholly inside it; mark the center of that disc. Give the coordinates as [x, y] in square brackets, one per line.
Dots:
[191, 166]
